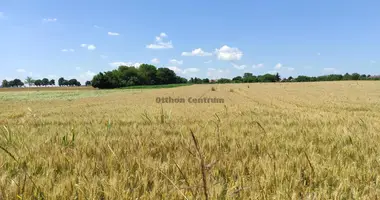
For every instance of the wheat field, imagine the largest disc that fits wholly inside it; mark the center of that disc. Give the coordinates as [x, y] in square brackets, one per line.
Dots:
[266, 141]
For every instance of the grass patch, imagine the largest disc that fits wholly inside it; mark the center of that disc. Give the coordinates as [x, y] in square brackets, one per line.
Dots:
[155, 86]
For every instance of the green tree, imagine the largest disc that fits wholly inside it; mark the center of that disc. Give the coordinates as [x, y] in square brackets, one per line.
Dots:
[5, 83]
[61, 81]
[206, 80]
[355, 76]
[29, 81]
[277, 77]
[237, 79]
[148, 74]
[45, 81]
[52, 82]
[165, 76]
[17, 83]
[38, 82]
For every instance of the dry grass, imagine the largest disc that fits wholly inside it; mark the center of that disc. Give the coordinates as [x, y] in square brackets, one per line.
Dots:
[267, 141]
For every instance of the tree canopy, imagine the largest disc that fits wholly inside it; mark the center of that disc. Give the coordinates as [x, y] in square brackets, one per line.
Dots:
[126, 76]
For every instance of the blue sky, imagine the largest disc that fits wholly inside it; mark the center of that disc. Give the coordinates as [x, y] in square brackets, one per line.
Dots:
[76, 39]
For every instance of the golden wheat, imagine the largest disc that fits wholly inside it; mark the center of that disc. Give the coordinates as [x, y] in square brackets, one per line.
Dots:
[266, 141]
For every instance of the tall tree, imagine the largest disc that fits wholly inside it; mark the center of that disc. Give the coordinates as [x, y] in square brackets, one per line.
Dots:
[52, 82]
[165, 76]
[61, 81]
[29, 80]
[148, 74]
[45, 81]
[5, 83]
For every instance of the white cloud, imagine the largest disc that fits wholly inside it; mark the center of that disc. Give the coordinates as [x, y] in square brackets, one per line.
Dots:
[175, 69]
[176, 62]
[160, 44]
[77, 68]
[21, 70]
[113, 34]
[372, 62]
[239, 67]
[278, 66]
[67, 50]
[217, 73]
[89, 46]
[258, 66]
[228, 53]
[96, 26]
[196, 52]
[190, 70]
[103, 56]
[155, 61]
[209, 61]
[117, 64]
[86, 76]
[330, 70]
[178, 70]
[50, 19]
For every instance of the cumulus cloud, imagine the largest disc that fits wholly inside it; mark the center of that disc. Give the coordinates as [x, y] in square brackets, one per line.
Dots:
[176, 62]
[67, 50]
[21, 70]
[239, 67]
[213, 73]
[258, 66]
[178, 70]
[160, 43]
[175, 69]
[190, 70]
[279, 67]
[86, 76]
[196, 52]
[91, 47]
[330, 70]
[113, 34]
[88, 46]
[228, 53]
[117, 64]
[155, 61]
[49, 19]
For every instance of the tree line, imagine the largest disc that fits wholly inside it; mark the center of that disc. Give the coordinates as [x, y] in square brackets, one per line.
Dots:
[125, 76]
[42, 82]
[250, 78]
[247, 78]
[146, 74]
